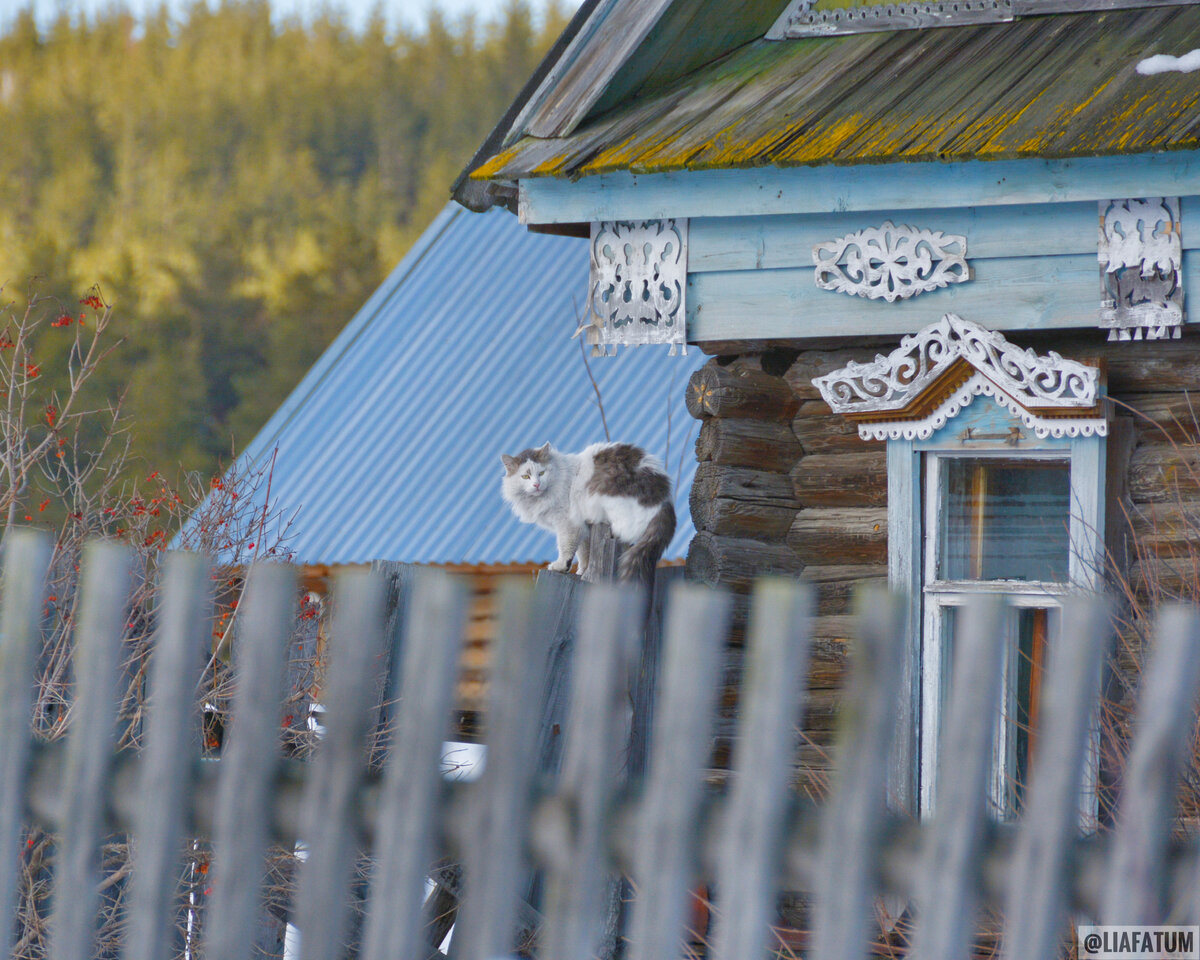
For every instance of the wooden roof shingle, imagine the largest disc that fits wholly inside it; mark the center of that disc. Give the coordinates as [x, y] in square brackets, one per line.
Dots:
[1053, 86]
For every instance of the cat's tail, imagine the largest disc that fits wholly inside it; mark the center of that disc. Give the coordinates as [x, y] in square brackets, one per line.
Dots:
[638, 562]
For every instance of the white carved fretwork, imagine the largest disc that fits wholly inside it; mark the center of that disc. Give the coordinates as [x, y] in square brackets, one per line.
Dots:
[934, 373]
[891, 262]
[1141, 251]
[800, 19]
[638, 284]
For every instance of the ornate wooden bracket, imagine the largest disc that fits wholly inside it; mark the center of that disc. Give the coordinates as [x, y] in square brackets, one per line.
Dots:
[1141, 252]
[638, 284]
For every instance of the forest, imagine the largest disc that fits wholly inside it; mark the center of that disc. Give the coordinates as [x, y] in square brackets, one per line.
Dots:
[235, 187]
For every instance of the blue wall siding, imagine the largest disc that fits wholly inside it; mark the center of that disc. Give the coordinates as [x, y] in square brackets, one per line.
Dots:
[1032, 267]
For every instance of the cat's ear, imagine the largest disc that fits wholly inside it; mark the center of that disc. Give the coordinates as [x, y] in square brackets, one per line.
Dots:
[510, 463]
[544, 451]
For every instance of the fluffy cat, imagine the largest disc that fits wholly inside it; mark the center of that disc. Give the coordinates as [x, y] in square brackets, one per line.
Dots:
[614, 483]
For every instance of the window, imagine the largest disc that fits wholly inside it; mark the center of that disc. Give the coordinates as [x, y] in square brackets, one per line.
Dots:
[995, 462]
[993, 522]
[989, 508]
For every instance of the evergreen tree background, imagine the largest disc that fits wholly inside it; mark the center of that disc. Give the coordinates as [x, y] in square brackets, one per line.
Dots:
[236, 187]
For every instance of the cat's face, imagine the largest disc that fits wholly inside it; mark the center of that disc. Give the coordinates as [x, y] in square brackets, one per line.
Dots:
[529, 472]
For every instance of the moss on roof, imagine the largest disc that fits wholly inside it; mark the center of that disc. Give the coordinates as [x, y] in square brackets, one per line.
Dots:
[1051, 86]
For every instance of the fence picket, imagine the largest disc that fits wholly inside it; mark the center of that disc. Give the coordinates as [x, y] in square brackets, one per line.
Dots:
[1035, 901]
[665, 862]
[847, 851]
[856, 814]
[573, 826]
[948, 882]
[26, 560]
[169, 758]
[105, 572]
[331, 817]
[1134, 892]
[250, 760]
[497, 821]
[433, 632]
[772, 698]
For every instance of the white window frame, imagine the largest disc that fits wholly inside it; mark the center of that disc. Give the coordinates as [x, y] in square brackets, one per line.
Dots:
[913, 471]
[937, 595]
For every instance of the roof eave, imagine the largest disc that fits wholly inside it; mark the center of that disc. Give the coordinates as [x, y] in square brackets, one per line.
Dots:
[479, 197]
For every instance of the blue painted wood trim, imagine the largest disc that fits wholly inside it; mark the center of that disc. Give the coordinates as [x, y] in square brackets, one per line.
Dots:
[1021, 230]
[1018, 293]
[830, 189]
[904, 577]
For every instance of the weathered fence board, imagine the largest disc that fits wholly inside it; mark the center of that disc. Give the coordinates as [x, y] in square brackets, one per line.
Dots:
[331, 809]
[411, 788]
[561, 804]
[26, 560]
[948, 895]
[172, 744]
[1135, 892]
[856, 815]
[665, 864]
[1035, 904]
[250, 760]
[494, 836]
[102, 606]
[752, 828]
[574, 824]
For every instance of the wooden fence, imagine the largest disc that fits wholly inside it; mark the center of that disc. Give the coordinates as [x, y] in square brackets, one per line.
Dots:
[664, 830]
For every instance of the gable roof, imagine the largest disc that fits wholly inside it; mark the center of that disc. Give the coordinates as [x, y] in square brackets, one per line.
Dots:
[613, 51]
[1049, 86]
[389, 448]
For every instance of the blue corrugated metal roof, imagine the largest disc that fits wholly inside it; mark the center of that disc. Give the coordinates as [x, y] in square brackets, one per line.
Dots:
[390, 446]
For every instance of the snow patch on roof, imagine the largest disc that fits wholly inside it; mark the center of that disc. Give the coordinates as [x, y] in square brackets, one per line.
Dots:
[1164, 62]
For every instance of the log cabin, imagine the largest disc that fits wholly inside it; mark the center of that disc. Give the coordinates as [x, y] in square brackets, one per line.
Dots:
[938, 256]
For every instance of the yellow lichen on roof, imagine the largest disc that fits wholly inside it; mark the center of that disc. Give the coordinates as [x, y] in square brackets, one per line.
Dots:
[1057, 86]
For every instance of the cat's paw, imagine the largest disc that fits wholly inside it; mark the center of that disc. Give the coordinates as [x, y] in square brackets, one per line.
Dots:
[559, 566]
[581, 569]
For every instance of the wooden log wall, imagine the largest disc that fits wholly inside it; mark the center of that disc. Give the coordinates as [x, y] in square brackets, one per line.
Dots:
[786, 486]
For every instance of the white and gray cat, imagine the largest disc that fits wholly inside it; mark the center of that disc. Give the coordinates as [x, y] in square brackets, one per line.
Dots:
[614, 483]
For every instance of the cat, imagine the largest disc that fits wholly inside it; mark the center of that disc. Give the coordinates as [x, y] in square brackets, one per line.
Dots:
[614, 483]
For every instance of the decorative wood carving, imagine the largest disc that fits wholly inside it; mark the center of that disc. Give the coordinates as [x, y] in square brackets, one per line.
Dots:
[1141, 252]
[638, 284]
[891, 262]
[933, 374]
[799, 19]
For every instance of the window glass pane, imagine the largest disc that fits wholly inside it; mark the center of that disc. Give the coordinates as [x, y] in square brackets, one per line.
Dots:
[1004, 519]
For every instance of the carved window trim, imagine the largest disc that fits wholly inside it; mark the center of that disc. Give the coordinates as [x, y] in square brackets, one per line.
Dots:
[921, 398]
[913, 391]
[891, 262]
[638, 284]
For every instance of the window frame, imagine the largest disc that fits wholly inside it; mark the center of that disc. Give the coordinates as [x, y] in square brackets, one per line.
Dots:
[981, 428]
